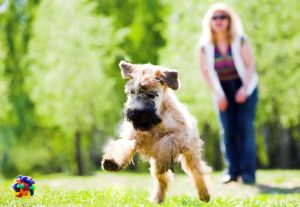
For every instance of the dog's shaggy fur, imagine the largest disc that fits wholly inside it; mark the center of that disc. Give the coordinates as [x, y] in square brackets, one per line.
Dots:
[159, 127]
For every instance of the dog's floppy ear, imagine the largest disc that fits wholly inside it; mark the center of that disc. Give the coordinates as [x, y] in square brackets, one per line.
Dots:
[126, 69]
[170, 78]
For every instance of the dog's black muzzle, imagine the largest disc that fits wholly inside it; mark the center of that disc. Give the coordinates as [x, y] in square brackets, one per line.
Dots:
[143, 119]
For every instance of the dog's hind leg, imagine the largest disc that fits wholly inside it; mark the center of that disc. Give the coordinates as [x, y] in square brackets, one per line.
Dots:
[118, 154]
[197, 169]
[160, 182]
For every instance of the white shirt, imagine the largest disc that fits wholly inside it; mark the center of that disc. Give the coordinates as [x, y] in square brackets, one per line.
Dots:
[238, 62]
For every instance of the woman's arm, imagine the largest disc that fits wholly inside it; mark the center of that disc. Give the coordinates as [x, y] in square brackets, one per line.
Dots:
[249, 61]
[222, 101]
[204, 69]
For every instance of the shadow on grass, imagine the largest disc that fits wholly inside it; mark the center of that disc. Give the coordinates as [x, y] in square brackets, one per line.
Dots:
[265, 189]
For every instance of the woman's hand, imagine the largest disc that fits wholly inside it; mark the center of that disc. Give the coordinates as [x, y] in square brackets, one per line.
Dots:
[222, 103]
[241, 95]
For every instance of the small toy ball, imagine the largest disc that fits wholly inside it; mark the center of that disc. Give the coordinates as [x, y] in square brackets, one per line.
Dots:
[24, 186]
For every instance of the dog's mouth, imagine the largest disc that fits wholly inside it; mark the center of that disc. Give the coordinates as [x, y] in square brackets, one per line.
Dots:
[143, 120]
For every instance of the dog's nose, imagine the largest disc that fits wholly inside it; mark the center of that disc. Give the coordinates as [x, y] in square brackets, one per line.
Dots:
[142, 119]
[129, 113]
[134, 114]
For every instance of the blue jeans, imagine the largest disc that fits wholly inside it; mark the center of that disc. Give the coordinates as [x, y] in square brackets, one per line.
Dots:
[238, 133]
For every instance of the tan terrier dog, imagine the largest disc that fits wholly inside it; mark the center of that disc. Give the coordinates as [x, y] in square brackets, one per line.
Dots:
[159, 126]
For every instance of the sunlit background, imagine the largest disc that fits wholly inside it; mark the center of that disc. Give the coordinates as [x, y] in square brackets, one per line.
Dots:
[61, 92]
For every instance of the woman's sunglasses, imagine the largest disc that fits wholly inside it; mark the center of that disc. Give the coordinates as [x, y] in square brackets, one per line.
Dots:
[221, 17]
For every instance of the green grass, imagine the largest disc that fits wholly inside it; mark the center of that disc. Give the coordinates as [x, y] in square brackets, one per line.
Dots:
[274, 188]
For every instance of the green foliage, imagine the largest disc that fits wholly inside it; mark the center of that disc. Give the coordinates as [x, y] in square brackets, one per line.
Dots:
[19, 120]
[142, 23]
[4, 89]
[67, 81]
[68, 58]
[279, 85]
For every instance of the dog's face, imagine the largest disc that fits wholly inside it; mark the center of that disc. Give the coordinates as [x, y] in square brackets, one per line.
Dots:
[145, 89]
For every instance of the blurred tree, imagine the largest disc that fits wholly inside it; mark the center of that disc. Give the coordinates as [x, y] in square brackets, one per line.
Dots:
[141, 23]
[276, 37]
[67, 82]
[16, 21]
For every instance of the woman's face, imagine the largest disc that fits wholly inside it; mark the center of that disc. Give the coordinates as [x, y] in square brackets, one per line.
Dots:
[219, 21]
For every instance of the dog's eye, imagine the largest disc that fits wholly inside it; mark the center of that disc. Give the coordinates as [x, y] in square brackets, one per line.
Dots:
[151, 94]
[129, 92]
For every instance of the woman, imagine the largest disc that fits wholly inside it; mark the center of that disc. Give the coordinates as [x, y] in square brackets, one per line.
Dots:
[228, 66]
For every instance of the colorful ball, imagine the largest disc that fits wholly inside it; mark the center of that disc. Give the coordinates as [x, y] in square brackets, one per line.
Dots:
[24, 186]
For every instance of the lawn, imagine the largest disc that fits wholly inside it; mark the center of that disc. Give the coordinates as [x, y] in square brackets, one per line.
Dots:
[273, 188]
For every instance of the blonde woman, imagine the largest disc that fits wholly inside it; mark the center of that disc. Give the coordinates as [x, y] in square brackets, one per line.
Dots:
[228, 66]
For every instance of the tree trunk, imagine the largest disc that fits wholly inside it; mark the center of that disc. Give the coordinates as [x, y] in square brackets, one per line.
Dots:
[96, 144]
[78, 154]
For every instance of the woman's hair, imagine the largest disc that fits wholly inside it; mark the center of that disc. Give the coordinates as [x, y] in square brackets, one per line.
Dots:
[235, 25]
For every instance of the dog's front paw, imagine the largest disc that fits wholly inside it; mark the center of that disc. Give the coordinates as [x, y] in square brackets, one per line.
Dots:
[156, 199]
[110, 165]
[204, 196]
